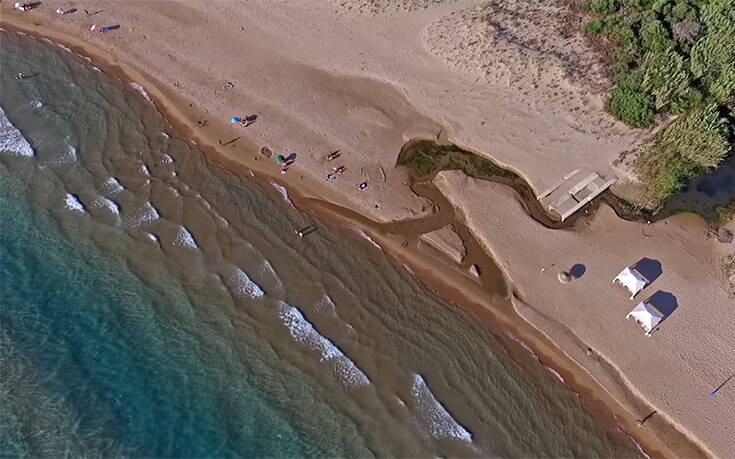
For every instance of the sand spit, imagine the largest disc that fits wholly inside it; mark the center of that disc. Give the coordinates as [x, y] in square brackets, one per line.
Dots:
[675, 369]
[364, 84]
[448, 242]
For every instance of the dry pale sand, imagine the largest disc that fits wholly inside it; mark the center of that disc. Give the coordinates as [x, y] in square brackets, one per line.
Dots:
[448, 242]
[675, 369]
[322, 76]
[498, 78]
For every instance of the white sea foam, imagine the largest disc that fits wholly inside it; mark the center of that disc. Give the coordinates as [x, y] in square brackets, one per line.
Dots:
[362, 234]
[166, 159]
[152, 237]
[65, 48]
[30, 106]
[303, 332]
[631, 438]
[11, 140]
[433, 415]
[67, 154]
[110, 205]
[165, 135]
[325, 304]
[555, 373]
[523, 345]
[141, 90]
[284, 192]
[73, 203]
[143, 170]
[243, 286]
[146, 214]
[184, 239]
[111, 187]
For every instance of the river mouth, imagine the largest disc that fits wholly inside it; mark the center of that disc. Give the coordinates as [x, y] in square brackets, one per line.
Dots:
[709, 196]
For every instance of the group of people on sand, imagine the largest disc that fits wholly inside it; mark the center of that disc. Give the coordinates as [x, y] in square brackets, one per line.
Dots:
[20, 6]
[338, 170]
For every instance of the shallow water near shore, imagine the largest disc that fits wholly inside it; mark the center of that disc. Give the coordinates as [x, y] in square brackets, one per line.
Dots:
[154, 304]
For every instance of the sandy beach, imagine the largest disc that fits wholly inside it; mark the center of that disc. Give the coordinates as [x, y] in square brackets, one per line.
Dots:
[365, 77]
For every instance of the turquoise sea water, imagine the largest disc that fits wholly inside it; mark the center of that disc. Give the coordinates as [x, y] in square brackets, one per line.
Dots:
[153, 304]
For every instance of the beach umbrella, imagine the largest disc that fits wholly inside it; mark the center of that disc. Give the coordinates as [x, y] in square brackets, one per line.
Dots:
[564, 277]
[235, 120]
[280, 159]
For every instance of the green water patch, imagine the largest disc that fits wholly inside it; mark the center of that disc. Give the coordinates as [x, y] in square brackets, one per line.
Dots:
[425, 159]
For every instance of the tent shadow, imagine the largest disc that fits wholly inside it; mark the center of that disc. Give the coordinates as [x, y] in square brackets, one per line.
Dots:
[649, 268]
[665, 302]
[578, 270]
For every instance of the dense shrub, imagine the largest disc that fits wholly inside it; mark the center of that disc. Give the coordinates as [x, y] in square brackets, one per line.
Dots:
[594, 27]
[655, 36]
[695, 142]
[665, 77]
[632, 107]
[676, 57]
[713, 55]
[600, 6]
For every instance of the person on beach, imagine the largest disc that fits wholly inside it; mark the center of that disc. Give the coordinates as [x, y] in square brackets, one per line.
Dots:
[26, 6]
[331, 177]
[284, 168]
[333, 155]
[363, 185]
[95, 27]
[338, 170]
[19, 76]
[244, 122]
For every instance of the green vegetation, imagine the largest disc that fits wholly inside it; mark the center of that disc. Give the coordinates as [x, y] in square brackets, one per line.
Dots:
[633, 107]
[426, 158]
[695, 142]
[671, 57]
[728, 269]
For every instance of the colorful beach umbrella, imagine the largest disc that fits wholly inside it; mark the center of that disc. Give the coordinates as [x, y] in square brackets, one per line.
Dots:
[280, 159]
[235, 120]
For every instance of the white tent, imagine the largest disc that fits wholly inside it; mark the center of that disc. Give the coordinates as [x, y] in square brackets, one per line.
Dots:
[632, 280]
[646, 315]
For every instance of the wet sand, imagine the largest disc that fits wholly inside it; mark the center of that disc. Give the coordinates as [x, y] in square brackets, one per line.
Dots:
[447, 279]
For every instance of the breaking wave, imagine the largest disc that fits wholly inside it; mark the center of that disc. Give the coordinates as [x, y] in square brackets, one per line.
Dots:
[433, 416]
[146, 214]
[108, 204]
[11, 140]
[243, 286]
[184, 239]
[72, 203]
[344, 370]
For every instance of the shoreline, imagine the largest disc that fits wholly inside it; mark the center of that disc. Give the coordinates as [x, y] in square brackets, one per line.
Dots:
[472, 297]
